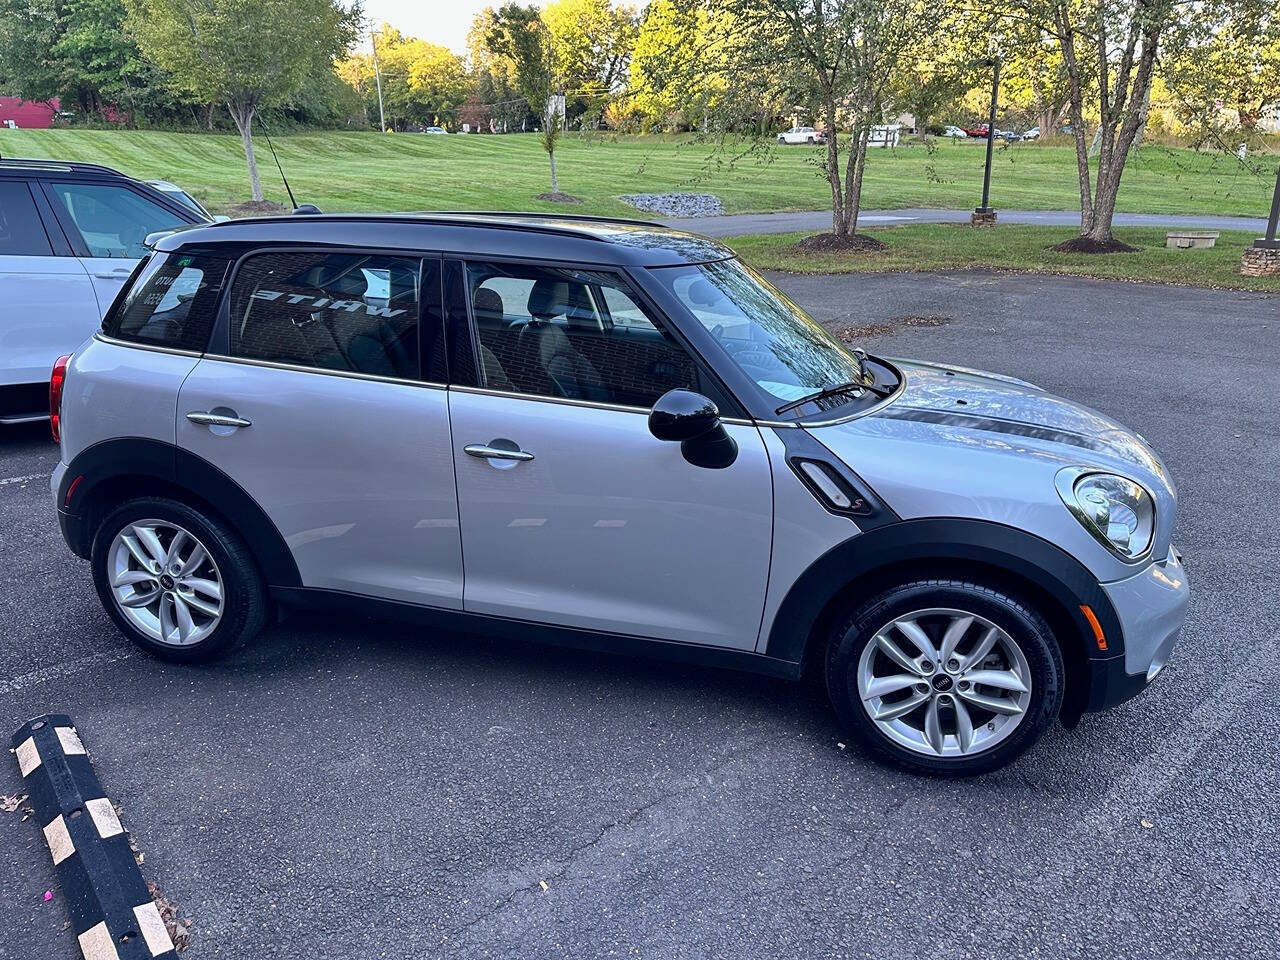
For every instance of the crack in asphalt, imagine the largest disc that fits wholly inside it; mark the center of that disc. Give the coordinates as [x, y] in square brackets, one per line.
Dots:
[1132, 793]
[619, 824]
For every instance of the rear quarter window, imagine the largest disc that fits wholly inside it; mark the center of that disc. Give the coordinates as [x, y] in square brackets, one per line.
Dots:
[171, 302]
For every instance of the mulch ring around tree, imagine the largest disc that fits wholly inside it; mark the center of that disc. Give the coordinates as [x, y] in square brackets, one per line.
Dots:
[1088, 245]
[559, 198]
[257, 208]
[850, 243]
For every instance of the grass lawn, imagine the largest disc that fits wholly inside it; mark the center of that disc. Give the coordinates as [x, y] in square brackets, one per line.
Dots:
[373, 172]
[944, 246]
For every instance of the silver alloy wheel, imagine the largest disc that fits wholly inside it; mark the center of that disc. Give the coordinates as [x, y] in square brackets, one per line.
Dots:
[944, 682]
[165, 582]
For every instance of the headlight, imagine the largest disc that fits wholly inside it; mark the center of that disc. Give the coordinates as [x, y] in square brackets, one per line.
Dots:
[1118, 512]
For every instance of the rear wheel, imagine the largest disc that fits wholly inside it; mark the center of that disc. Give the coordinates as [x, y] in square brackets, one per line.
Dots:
[945, 676]
[177, 582]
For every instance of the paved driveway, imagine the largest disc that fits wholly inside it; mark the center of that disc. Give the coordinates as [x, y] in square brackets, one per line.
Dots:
[731, 225]
[358, 790]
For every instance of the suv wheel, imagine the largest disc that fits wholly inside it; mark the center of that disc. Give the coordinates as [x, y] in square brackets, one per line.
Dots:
[177, 582]
[945, 677]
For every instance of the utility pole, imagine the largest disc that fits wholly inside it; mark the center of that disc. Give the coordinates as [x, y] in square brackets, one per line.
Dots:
[984, 216]
[377, 73]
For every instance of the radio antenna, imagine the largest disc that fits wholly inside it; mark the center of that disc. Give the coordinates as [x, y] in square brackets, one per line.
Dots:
[292, 202]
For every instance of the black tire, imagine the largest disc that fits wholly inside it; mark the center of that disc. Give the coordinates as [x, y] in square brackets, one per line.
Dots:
[1019, 619]
[245, 602]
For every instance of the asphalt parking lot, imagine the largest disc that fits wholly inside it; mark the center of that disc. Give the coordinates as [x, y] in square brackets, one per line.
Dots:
[357, 789]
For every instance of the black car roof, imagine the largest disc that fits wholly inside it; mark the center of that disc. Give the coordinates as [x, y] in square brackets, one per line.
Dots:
[29, 167]
[579, 239]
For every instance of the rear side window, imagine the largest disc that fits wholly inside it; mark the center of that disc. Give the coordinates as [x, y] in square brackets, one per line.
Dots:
[172, 302]
[21, 232]
[114, 221]
[329, 311]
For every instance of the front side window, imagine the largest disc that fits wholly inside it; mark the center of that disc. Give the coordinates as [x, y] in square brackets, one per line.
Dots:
[21, 232]
[774, 342]
[331, 311]
[577, 334]
[113, 221]
[171, 302]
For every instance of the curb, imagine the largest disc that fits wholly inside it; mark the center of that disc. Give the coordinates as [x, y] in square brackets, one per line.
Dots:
[112, 912]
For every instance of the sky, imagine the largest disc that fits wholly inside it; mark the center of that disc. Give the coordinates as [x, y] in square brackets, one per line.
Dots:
[445, 22]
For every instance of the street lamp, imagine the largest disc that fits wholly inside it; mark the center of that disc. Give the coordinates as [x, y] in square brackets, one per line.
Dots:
[985, 216]
[1263, 258]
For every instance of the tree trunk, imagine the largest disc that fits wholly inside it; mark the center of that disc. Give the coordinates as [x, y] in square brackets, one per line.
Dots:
[1104, 202]
[833, 162]
[555, 180]
[853, 192]
[242, 114]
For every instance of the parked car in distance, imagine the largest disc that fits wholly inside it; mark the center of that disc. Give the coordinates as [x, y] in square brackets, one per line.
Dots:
[978, 131]
[176, 192]
[70, 235]
[631, 443]
[435, 130]
[802, 135]
[955, 133]
[1032, 134]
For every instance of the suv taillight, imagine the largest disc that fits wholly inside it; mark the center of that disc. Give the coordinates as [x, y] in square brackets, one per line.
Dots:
[56, 381]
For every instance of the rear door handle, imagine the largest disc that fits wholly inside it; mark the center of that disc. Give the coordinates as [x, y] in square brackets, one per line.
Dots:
[218, 419]
[486, 452]
[114, 275]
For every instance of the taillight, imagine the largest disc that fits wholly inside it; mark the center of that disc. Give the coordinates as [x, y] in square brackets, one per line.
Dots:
[57, 379]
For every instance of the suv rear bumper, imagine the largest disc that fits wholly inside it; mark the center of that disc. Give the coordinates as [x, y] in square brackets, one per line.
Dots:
[1151, 607]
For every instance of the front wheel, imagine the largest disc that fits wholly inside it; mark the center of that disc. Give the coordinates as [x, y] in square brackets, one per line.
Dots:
[178, 582]
[945, 677]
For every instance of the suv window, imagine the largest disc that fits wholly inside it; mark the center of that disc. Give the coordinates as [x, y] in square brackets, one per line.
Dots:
[21, 232]
[114, 221]
[172, 302]
[572, 333]
[331, 311]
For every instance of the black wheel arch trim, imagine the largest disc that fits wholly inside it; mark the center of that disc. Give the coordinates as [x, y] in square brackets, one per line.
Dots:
[948, 540]
[135, 456]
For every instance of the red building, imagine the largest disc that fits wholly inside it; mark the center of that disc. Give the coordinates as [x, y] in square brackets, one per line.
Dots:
[28, 114]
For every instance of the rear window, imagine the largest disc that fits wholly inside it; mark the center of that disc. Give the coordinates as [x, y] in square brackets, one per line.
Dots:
[21, 233]
[171, 302]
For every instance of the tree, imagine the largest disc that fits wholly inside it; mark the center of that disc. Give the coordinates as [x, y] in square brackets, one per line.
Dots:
[676, 73]
[493, 77]
[421, 82]
[1223, 82]
[519, 34]
[591, 43]
[78, 51]
[248, 54]
[844, 56]
[1109, 51]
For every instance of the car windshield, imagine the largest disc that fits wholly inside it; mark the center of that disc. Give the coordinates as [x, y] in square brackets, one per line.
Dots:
[771, 339]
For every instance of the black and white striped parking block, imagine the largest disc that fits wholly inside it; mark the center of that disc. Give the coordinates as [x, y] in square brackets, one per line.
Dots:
[112, 912]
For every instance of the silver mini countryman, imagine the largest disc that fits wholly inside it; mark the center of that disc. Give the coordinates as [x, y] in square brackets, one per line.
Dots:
[617, 437]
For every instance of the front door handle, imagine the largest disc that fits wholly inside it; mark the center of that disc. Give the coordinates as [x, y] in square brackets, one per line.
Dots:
[218, 419]
[486, 452]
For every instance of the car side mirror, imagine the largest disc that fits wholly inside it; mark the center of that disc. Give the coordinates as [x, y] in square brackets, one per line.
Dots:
[693, 421]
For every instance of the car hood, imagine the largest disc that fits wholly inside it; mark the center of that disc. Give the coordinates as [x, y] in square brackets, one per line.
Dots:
[977, 400]
[955, 442]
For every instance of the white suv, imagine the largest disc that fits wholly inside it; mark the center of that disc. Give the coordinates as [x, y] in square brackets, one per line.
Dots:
[614, 436]
[70, 235]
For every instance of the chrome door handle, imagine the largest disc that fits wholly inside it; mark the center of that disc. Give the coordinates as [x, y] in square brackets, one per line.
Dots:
[218, 419]
[485, 452]
[115, 275]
